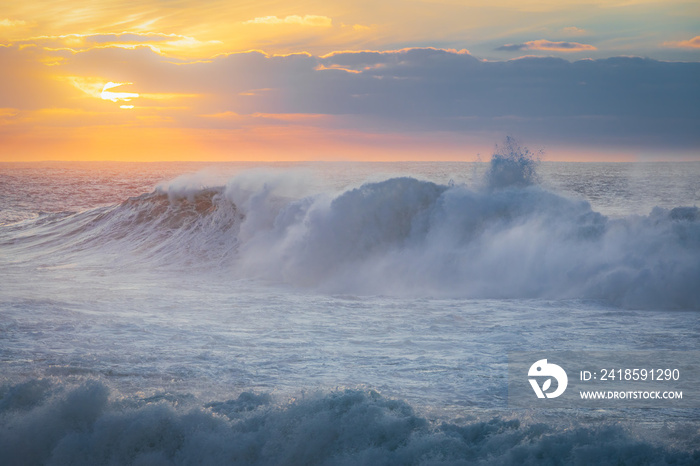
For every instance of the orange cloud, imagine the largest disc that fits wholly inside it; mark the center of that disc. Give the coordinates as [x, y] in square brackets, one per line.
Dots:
[549, 45]
[342, 24]
[12, 22]
[693, 43]
[173, 44]
[307, 20]
[299, 106]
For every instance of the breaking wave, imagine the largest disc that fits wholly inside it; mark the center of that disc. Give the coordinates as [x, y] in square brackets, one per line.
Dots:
[42, 422]
[506, 237]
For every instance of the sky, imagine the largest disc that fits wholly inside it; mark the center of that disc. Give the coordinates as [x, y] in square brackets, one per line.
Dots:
[214, 80]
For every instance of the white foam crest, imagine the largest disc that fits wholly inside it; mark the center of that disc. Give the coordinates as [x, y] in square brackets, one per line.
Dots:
[188, 185]
[400, 236]
[408, 237]
[85, 424]
[263, 193]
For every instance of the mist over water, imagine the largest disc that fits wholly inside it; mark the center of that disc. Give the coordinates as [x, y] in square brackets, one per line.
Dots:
[502, 236]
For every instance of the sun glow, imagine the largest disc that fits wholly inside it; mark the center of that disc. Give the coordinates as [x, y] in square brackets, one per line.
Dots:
[438, 79]
[117, 96]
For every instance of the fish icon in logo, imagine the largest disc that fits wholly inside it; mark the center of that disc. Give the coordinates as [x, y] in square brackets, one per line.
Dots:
[543, 369]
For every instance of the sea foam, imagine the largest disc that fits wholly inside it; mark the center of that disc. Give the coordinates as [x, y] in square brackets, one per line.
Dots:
[45, 422]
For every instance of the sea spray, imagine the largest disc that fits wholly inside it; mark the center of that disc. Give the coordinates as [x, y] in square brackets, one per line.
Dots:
[508, 237]
[512, 165]
[128, 338]
[50, 423]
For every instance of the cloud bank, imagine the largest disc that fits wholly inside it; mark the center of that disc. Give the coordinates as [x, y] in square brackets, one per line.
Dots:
[617, 102]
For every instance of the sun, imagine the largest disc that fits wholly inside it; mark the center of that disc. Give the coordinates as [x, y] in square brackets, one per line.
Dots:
[117, 96]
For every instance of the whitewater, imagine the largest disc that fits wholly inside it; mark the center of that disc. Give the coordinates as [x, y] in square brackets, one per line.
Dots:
[336, 313]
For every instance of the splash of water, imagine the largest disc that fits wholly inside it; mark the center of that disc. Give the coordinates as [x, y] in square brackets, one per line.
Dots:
[512, 165]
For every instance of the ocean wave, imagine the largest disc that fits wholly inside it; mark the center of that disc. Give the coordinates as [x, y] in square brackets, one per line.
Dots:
[507, 237]
[48, 422]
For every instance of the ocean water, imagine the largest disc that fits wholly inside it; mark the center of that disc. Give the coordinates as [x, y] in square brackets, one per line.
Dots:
[335, 313]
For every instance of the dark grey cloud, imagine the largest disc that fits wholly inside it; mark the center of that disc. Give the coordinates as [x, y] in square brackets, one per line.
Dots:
[512, 47]
[620, 101]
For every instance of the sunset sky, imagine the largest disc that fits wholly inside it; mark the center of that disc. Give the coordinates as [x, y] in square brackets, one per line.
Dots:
[348, 80]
